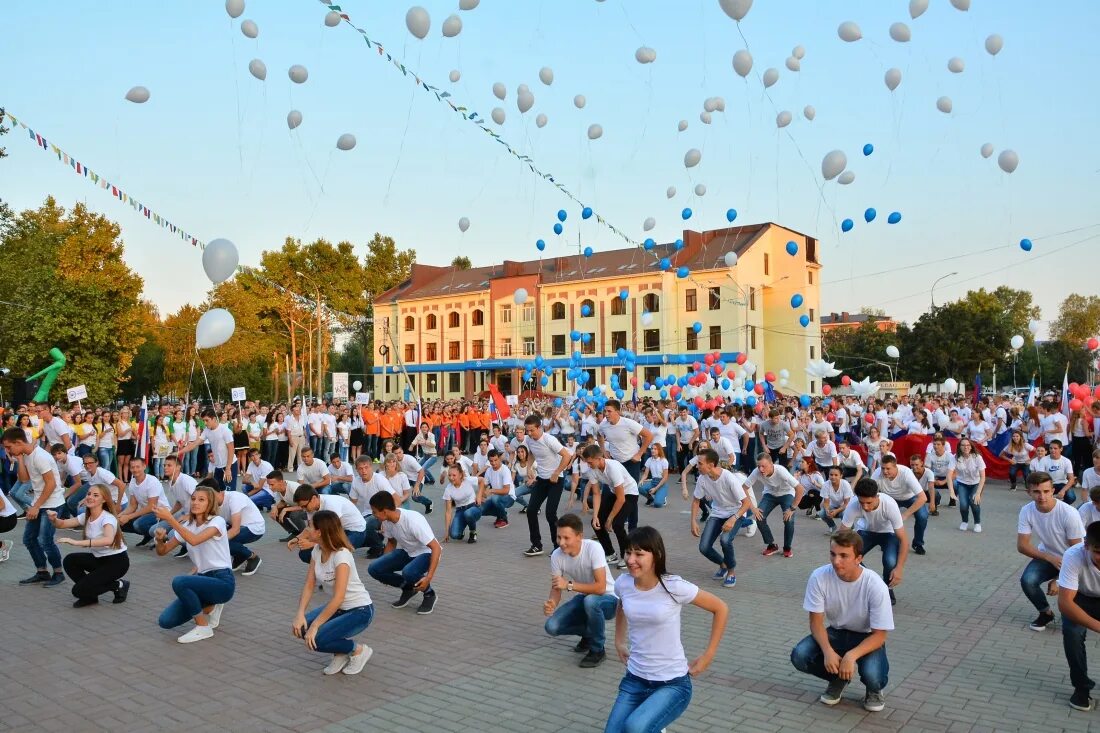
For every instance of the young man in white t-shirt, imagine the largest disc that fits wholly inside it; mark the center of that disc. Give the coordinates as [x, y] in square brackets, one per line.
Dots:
[220, 438]
[901, 485]
[411, 554]
[38, 467]
[309, 501]
[883, 527]
[1079, 602]
[730, 509]
[145, 492]
[496, 489]
[340, 475]
[551, 460]
[782, 490]
[850, 616]
[1057, 525]
[612, 502]
[579, 566]
[245, 525]
[365, 484]
[313, 471]
[255, 478]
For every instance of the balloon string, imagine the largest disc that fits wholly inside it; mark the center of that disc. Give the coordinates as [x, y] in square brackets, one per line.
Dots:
[204, 377]
[401, 147]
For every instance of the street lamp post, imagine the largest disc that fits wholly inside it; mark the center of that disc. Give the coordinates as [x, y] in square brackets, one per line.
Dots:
[317, 303]
[937, 282]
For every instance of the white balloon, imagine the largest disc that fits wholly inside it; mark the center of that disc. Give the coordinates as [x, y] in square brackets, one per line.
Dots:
[736, 9]
[418, 21]
[219, 260]
[900, 33]
[234, 8]
[454, 76]
[692, 158]
[730, 259]
[749, 368]
[1008, 160]
[784, 374]
[782, 381]
[249, 28]
[214, 328]
[849, 31]
[845, 178]
[771, 76]
[1034, 326]
[700, 189]
[670, 192]
[649, 223]
[258, 69]
[498, 115]
[783, 119]
[647, 318]
[1017, 342]
[917, 8]
[467, 4]
[452, 26]
[833, 164]
[956, 65]
[645, 55]
[710, 104]
[742, 63]
[595, 132]
[720, 104]
[987, 150]
[793, 63]
[809, 112]
[950, 386]
[357, 385]
[546, 75]
[520, 296]
[994, 44]
[525, 100]
[962, 5]
[683, 125]
[541, 120]
[293, 118]
[579, 101]
[893, 78]
[463, 224]
[298, 74]
[892, 351]
[704, 117]
[332, 19]
[943, 104]
[798, 52]
[499, 90]
[137, 95]
[346, 141]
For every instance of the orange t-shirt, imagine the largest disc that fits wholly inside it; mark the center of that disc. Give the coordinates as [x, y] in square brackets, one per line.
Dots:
[435, 420]
[371, 424]
[388, 423]
[464, 420]
[484, 419]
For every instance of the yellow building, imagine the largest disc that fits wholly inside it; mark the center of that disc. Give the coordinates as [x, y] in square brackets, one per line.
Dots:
[456, 331]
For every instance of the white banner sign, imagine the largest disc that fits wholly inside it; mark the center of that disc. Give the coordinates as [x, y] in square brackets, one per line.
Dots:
[237, 394]
[362, 398]
[512, 399]
[340, 386]
[79, 392]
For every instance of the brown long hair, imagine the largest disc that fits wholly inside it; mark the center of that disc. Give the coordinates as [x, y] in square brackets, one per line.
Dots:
[330, 532]
[212, 506]
[109, 508]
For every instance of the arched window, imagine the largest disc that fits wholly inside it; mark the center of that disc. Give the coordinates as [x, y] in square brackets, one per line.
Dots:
[557, 311]
[651, 303]
[453, 319]
[410, 323]
[618, 306]
[431, 322]
[588, 308]
[477, 318]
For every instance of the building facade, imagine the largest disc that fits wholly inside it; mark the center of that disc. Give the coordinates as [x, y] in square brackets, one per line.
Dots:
[846, 320]
[448, 333]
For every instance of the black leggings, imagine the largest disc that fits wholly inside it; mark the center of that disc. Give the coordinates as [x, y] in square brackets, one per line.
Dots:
[93, 576]
[7, 524]
[618, 524]
[811, 500]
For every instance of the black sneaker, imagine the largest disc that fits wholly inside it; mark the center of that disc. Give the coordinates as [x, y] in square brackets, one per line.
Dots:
[533, 551]
[252, 564]
[1042, 621]
[82, 602]
[893, 598]
[407, 595]
[1080, 700]
[919, 549]
[473, 537]
[648, 500]
[428, 509]
[182, 552]
[36, 578]
[523, 510]
[592, 659]
[55, 579]
[240, 565]
[122, 592]
[427, 605]
[374, 553]
[582, 646]
[952, 503]
[144, 541]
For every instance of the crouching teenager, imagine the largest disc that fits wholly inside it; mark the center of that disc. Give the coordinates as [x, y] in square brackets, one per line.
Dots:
[411, 554]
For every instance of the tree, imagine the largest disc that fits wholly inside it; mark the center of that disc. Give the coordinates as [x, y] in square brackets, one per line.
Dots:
[855, 351]
[386, 267]
[146, 373]
[1078, 319]
[869, 311]
[461, 262]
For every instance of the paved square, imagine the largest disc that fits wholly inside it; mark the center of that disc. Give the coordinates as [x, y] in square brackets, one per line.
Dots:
[961, 659]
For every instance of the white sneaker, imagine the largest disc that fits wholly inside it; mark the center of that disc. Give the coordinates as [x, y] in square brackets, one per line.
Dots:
[977, 528]
[196, 634]
[963, 526]
[356, 662]
[339, 661]
[5, 550]
[750, 531]
[215, 615]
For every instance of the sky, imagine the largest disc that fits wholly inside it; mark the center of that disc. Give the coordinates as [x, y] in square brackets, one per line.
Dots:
[211, 149]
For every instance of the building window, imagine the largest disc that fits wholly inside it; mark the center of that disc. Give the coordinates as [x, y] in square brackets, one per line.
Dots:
[591, 308]
[410, 323]
[478, 348]
[431, 322]
[454, 350]
[557, 311]
[651, 339]
[431, 354]
[752, 337]
[432, 384]
[715, 296]
[528, 345]
[528, 312]
[618, 306]
[692, 342]
[557, 345]
[506, 347]
[412, 381]
[716, 337]
[810, 273]
[650, 374]
[619, 376]
[387, 384]
[590, 347]
[478, 317]
[410, 352]
[811, 315]
[506, 314]
[812, 354]
[618, 340]
[454, 320]
[651, 303]
[690, 303]
[752, 299]
[766, 270]
[813, 386]
[454, 382]
[591, 378]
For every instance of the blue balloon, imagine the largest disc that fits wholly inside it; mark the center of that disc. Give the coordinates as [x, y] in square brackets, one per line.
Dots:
[541, 245]
[586, 310]
[726, 383]
[869, 215]
[575, 336]
[1025, 245]
[868, 149]
[538, 359]
[894, 218]
[846, 225]
[796, 301]
[586, 212]
[561, 214]
[557, 229]
[620, 394]
[630, 366]
[686, 213]
[582, 393]
[621, 353]
[576, 354]
[828, 401]
[665, 263]
[682, 271]
[751, 400]
[804, 400]
[545, 380]
[583, 376]
[557, 402]
[804, 320]
[681, 359]
[664, 394]
[649, 244]
[678, 245]
[585, 338]
[731, 214]
[697, 327]
[588, 251]
[624, 294]
[792, 248]
[749, 385]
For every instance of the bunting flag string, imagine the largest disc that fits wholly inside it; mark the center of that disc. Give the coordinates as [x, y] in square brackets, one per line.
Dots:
[445, 97]
[82, 169]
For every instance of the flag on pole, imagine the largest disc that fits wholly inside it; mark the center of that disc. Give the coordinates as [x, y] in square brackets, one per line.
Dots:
[977, 389]
[498, 404]
[1031, 393]
[1065, 395]
[141, 436]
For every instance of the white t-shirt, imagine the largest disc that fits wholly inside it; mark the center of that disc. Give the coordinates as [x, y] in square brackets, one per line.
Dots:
[287, 497]
[861, 605]
[547, 454]
[71, 466]
[411, 532]
[731, 431]
[582, 568]
[259, 473]
[824, 455]
[350, 516]
[9, 506]
[1090, 478]
[355, 595]
[55, 429]
[236, 502]
[621, 439]
[95, 530]
[498, 479]
[614, 474]
[780, 483]
[341, 473]
[361, 491]
[217, 438]
[399, 483]
[886, 518]
[1079, 572]
[836, 497]
[725, 493]
[38, 464]
[969, 470]
[148, 489]
[656, 467]
[653, 623]
[939, 465]
[410, 467]
[212, 554]
[901, 487]
[183, 487]
[1054, 427]
[1054, 529]
[463, 494]
[313, 473]
[1089, 513]
[1060, 469]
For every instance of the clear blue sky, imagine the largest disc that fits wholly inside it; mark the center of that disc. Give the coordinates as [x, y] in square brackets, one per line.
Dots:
[212, 152]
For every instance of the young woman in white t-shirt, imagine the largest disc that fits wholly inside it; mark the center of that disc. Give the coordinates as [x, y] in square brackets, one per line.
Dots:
[203, 595]
[101, 569]
[654, 483]
[523, 475]
[656, 689]
[1018, 452]
[969, 479]
[329, 628]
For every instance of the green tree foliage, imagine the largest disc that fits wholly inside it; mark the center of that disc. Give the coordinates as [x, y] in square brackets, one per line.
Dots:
[462, 262]
[1078, 319]
[855, 351]
[146, 372]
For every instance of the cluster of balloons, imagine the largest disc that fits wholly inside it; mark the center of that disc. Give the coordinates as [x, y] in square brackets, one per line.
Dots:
[1080, 394]
[869, 215]
[215, 326]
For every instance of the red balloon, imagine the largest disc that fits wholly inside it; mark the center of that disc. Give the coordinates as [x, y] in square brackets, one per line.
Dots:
[717, 370]
[758, 389]
[1093, 344]
[709, 359]
[1083, 392]
[731, 374]
[759, 408]
[674, 390]
[769, 376]
[634, 381]
[826, 390]
[870, 419]
[846, 380]
[1076, 404]
[700, 402]
[742, 358]
[696, 366]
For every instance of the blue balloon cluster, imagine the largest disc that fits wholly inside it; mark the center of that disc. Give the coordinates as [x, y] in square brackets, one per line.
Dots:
[792, 248]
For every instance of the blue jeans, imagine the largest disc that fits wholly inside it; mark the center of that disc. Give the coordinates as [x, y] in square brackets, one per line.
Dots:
[334, 636]
[429, 461]
[356, 538]
[890, 545]
[920, 520]
[522, 489]
[712, 531]
[143, 525]
[38, 538]
[72, 504]
[829, 521]
[106, 458]
[190, 462]
[584, 615]
[337, 487]
[237, 549]
[1073, 643]
[315, 445]
[22, 493]
[263, 500]
[1016, 470]
[196, 592]
[397, 569]
[966, 501]
[497, 506]
[373, 534]
[768, 502]
[464, 517]
[219, 476]
[645, 706]
[1070, 496]
[874, 668]
[670, 451]
[158, 467]
[419, 499]
[1035, 576]
[660, 497]
[342, 448]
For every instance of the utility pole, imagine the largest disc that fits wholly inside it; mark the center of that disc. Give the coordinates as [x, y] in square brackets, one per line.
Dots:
[317, 303]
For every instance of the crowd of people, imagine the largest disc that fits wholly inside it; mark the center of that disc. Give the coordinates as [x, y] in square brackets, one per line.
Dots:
[341, 478]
